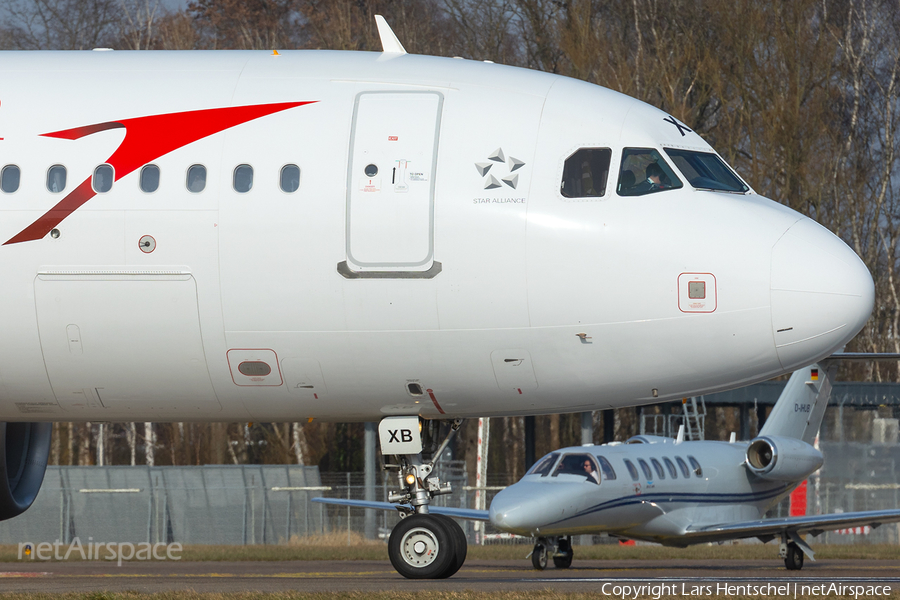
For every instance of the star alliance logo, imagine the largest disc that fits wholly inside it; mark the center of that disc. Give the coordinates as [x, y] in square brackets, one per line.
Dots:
[496, 158]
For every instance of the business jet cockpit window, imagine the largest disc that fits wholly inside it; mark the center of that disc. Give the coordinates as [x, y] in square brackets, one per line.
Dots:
[706, 171]
[583, 465]
[543, 466]
[585, 173]
[644, 171]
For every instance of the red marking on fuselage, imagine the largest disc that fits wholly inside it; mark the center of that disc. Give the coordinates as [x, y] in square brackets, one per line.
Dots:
[434, 400]
[146, 139]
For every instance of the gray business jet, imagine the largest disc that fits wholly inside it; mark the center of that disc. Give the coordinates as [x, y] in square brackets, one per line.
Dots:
[662, 490]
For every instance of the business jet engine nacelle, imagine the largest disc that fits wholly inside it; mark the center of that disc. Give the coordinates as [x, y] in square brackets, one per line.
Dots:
[782, 458]
[24, 449]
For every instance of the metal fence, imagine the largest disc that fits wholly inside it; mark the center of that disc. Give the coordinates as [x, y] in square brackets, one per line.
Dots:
[270, 504]
[191, 505]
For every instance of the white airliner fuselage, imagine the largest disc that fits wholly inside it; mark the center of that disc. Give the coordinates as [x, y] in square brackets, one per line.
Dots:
[405, 245]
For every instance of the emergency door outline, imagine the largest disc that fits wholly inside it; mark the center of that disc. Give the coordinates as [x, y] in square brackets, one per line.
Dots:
[390, 214]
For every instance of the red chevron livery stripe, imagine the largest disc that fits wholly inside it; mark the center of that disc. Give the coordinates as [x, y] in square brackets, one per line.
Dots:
[146, 139]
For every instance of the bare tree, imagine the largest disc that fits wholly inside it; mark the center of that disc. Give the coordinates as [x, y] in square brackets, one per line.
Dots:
[60, 24]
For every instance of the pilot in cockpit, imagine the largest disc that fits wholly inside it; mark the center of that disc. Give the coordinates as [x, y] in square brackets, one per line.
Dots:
[656, 179]
[578, 464]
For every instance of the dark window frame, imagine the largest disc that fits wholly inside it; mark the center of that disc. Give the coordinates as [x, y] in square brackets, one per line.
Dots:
[573, 174]
[65, 178]
[145, 169]
[698, 470]
[648, 474]
[670, 466]
[683, 466]
[3, 172]
[96, 172]
[281, 178]
[632, 470]
[238, 172]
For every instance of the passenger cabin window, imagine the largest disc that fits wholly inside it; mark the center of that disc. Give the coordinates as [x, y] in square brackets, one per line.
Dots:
[646, 469]
[103, 179]
[632, 470]
[658, 467]
[578, 464]
[585, 173]
[643, 172]
[683, 466]
[56, 179]
[698, 470]
[670, 466]
[243, 178]
[196, 179]
[9, 179]
[606, 468]
[149, 179]
[290, 178]
[706, 171]
[543, 466]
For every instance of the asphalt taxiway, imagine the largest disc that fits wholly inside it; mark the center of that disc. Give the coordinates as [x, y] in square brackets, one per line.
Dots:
[481, 575]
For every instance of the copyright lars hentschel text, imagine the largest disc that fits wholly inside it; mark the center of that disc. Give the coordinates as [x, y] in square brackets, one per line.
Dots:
[795, 590]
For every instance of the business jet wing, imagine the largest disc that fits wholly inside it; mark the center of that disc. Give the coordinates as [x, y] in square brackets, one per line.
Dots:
[459, 513]
[767, 529]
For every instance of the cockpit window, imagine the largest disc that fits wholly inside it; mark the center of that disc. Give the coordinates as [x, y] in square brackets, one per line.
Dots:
[543, 466]
[585, 173]
[706, 171]
[645, 172]
[578, 464]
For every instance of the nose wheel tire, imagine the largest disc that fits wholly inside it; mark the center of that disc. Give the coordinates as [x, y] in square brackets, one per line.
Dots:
[460, 542]
[422, 547]
[539, 557]
[563, 557]
[793, 560]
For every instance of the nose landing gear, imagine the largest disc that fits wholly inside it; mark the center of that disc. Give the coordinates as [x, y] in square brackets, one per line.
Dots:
[559, 549]
[422, 545]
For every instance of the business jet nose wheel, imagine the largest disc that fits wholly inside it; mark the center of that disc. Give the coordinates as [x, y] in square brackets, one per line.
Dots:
[559, 549]
[422, 545]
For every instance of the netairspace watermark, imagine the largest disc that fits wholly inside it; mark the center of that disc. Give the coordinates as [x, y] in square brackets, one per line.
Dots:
[794, 590]
[117, 551]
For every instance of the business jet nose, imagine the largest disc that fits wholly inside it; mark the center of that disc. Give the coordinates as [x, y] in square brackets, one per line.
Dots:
[521, 508]
[821, 294]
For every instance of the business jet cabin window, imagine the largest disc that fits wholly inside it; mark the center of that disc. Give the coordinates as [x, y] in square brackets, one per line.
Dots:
[9, 179]
[585, 173]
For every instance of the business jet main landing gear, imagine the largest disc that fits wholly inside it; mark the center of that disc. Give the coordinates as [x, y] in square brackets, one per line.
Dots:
[793, 550]
[793, 558]
[422, 545]
[559, 549]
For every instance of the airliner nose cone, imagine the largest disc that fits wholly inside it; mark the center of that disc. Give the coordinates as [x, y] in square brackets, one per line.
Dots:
[821, 292]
